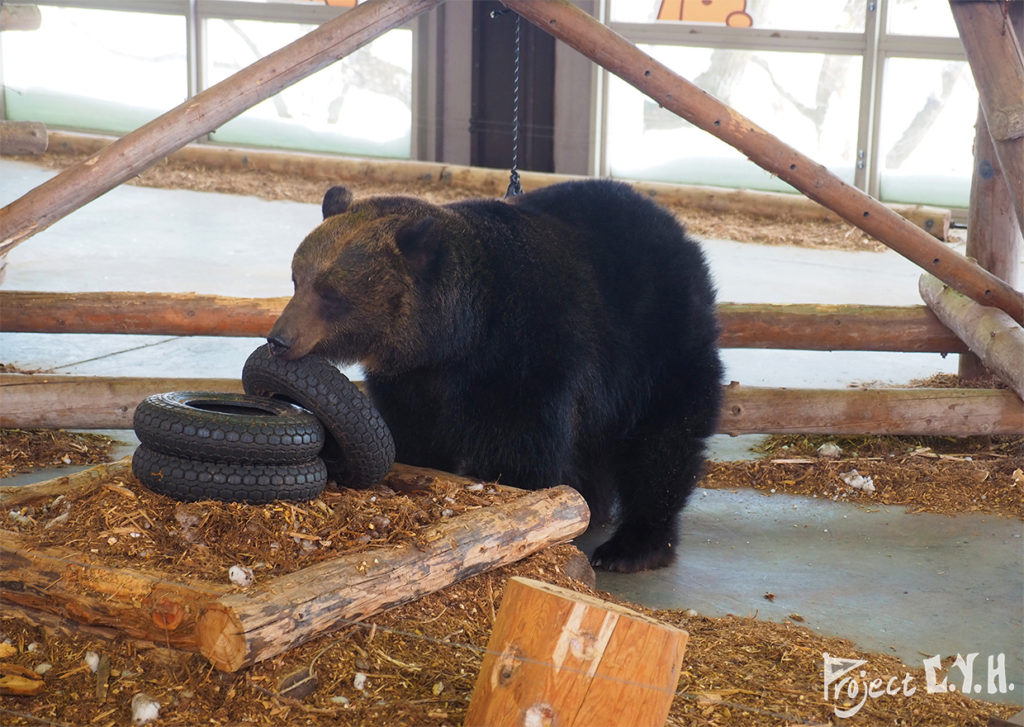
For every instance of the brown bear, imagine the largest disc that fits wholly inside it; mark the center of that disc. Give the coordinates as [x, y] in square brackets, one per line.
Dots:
[564, 336]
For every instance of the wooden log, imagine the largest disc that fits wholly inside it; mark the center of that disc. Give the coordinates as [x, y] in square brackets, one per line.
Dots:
[997, 62]
[20, 17]
[89, 402]
[207, 110]
[166, 314]
[609, 49]
[563, 658]
[993, 236]
[72, 486]
[108, 403]
[833, 328]
[70, 584]
[22, 137]
[744, 325]
[492, 182]
[991, 335]
[241, 629]
[941, 412]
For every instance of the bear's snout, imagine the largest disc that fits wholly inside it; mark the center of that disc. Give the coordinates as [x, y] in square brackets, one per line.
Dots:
[278, 346]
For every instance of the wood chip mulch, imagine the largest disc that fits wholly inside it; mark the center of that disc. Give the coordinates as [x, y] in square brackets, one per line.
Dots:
[416, 664]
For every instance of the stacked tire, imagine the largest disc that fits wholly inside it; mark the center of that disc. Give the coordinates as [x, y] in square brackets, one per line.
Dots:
[299, 424]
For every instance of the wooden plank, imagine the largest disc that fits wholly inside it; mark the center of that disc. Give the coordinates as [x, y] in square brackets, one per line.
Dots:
[241, 629]
[83, 402]
[943, 412]
[997, 62]
[72, 486]
[613, 52]
[564, 658]
[202, 113]
[992, 336]
[744, 325]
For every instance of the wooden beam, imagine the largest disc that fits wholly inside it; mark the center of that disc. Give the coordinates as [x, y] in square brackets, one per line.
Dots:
[83, 402]
[992, 336]
[610, 50]
[563, 658]
[266, 620]
[944, 412]
[997, 62]
[207, 110]
[493, 182]
[744, 325]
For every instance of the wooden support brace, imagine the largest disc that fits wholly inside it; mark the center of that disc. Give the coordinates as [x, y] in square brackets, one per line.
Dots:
[241, 629]
[609, 49]
[207, 110]
[85, 402]
[557, 657]
[744, 325]
[991, 335]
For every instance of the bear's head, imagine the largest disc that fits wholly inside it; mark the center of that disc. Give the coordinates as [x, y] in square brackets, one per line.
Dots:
[364, 280]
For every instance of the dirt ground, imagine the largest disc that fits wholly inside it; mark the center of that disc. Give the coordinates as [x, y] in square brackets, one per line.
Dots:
[417, 664]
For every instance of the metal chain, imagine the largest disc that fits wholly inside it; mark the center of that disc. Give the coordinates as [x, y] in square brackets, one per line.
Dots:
[514, 187]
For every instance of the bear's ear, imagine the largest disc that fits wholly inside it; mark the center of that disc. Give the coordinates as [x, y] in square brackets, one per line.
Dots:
[336, 200]
[418, 243]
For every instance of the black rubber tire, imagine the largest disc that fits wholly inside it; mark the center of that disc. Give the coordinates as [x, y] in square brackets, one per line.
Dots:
[223, 427]
[187, 479]
[359, 449]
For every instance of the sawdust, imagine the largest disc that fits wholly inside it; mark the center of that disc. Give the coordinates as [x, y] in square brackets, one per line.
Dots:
[739, 226]
[417, 664]
[27, 450]
[123, 522]
[927, 474]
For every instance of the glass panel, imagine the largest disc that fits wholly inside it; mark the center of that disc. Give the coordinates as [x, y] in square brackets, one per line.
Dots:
[359, 105]
[921, 17]
[926, 131]
[839, 15]
[101, 70]
[809, 100]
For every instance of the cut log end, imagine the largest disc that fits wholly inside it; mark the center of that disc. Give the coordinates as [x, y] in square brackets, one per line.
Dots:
[221, 638]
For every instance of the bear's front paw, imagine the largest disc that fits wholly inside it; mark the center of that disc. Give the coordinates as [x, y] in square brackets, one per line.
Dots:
[629, 553]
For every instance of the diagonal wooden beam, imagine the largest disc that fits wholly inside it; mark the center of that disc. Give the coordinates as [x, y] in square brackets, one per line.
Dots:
[994, 53]
[204, 112]
[609, 49]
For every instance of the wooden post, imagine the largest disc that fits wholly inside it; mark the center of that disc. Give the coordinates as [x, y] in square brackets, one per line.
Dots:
[241, 629]
[86, 402]
[997, 62]
[744, 325]
[993, 235]
[992, 335]
[609, 49]
[207, 110]
[557, 657]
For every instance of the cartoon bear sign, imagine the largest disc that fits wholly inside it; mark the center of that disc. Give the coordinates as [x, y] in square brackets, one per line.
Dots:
[731, 12]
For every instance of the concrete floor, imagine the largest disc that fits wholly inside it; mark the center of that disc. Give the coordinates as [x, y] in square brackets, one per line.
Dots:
[913, 585]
